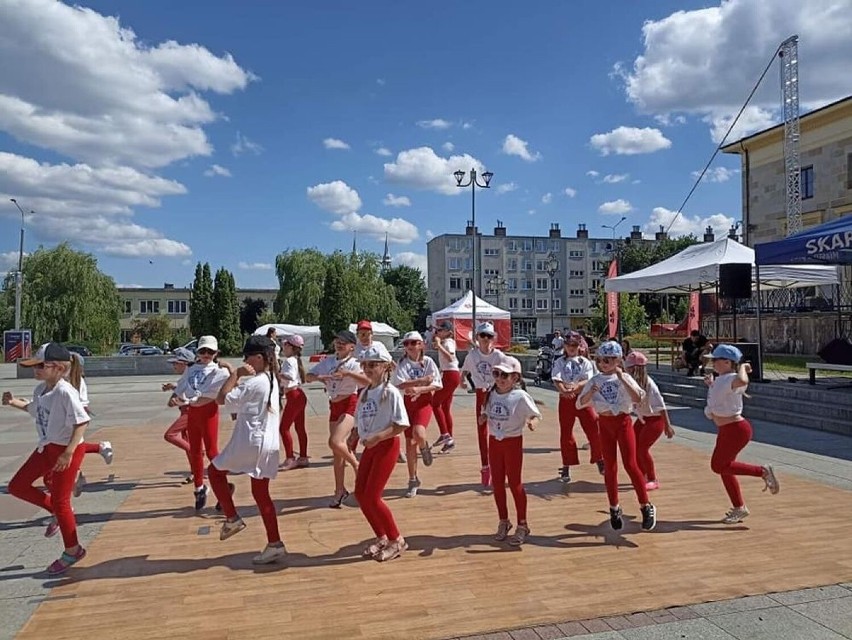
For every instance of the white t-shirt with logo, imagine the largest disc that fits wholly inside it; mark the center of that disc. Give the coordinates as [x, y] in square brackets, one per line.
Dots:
[479, 366]
[611, 395]
[411, 370]
[186, 388]
[56, 411]
[652, 404]
[290, 372]
[722, 399]
[508, 413]
[211, 379]
[347, 385]
[450, 363]
[378, 408]
[572, 370]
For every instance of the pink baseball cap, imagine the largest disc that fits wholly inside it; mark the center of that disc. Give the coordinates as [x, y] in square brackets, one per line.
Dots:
[635, 359]
[295, 340]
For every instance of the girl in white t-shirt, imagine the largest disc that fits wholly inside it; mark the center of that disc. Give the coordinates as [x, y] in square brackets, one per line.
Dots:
[104, 448]
[724, 408]
[292, 375]
[254, 444]
[652, 418]
[380, 417]
[612, 393]
[506, 412]
[442, 400]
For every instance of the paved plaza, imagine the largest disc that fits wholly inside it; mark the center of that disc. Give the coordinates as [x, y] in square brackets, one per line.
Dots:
[156, 569]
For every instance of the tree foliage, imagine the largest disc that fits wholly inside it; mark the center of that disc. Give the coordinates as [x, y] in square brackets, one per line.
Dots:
[301, 273]
[202, 317]
[154, 330]
[632, 315]
[251, 310]
[335, 305]
[226, 312]
[411, 293]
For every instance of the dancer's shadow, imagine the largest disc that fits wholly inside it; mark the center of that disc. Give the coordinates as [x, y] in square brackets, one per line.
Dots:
[671, 526]
[476, 544]
[537, 450]
[439, 491]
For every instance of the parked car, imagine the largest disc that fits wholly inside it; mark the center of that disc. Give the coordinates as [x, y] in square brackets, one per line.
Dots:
[521, 341]
[192, 345]
[140, 350]
[79, 349]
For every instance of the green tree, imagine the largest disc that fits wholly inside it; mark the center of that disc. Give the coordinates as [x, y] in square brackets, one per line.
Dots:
[411, 293]
[227, 312]
[251, 309]
[301, 273]
[335, 305]
[154, 330]
[67, 298]
[631, 312]
[202, 318]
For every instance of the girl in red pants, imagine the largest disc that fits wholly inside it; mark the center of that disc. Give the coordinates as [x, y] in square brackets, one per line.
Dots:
[612, 393]
[478, 363]
[380, 417]
[442, 400]
[724, 408]
[570, 374]
[185, 389]
[60, 421]
[292, 375]
[203, 415]
[253, 448]
[506, 411]
[652, 417]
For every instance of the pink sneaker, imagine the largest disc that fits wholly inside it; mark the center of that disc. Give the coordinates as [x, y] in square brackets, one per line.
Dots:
[65, 562]
[289, 463]
[485, 476]
[52, 528]
[302, 462]
[653, 485]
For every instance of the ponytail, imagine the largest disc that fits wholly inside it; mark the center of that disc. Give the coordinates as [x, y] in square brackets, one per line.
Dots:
[272, 371]
[75, 374]
[297, 351]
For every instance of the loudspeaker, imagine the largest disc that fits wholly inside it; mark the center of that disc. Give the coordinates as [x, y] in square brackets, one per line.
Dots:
[838, 351]
[749, 350]
[735, 280]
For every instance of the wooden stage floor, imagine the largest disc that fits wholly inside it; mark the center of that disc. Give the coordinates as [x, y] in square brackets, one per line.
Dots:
[157, 570]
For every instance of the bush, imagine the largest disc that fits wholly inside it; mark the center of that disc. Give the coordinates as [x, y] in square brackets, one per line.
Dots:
[517, 348]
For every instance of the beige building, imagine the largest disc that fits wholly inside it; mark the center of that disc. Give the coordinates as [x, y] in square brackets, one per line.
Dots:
[171, 302]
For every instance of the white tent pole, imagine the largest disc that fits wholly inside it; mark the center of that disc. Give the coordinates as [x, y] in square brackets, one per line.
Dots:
[759, 328]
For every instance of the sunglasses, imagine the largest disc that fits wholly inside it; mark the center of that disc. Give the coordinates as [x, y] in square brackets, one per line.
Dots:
[485, 335]
[206, 352]
[408, 343]
[500, 374]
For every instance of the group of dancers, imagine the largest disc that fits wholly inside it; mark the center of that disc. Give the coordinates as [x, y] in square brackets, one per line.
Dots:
[372, 401]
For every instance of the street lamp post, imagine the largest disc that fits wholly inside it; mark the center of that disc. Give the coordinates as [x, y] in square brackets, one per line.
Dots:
[552, 267]
[499, 285]
[19, 277]
[613, 227]
[473, 183]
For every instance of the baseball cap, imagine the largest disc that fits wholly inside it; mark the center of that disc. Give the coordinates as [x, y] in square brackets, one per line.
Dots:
[364, 324]
[727, 352]
[444, 325]
[295, 340]
[182, 355]
[635, 359]
[48, 352]
[610, 349]
[208, 342]
[346, 336]
[412, 336]
[509, 365]
[374, 354]
[487, 328]
[257, 344]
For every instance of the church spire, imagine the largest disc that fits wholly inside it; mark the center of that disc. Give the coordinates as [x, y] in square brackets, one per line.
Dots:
[386, 259]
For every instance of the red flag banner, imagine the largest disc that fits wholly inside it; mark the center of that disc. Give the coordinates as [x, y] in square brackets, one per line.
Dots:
[612, 302]
[692, 319]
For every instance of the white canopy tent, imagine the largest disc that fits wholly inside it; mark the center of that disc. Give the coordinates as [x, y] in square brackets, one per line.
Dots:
[460, 313]
[382, 332]
[311, 335]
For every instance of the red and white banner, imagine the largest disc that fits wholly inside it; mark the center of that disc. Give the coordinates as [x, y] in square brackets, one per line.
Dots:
[692, 318]
[612, 302]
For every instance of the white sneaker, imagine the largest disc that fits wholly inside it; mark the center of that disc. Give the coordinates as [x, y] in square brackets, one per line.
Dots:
[231, 528]
[503, 529]
[105, 449]
[79, 484]
[771, 482]
[735, 515]
[413, 485]
[270, 554]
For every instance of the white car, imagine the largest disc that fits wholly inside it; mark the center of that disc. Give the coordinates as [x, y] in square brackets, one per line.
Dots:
[521, 341]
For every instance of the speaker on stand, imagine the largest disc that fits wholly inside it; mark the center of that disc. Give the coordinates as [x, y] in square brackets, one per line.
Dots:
[735, 284]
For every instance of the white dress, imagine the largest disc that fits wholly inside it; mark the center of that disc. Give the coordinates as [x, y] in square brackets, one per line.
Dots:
[255, 441]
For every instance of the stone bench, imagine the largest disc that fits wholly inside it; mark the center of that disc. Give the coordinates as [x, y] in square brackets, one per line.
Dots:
[812, 368]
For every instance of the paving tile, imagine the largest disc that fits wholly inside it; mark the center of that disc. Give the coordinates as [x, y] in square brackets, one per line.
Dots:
[809, 595]
[661, 616]
[835, 614]
[571, 629]
[595, 626]
[549, 632]
[700, 629]
[605, 635]
[618, 622]
[499, 635]
[524, 634]
[640, 620]
[682, 613]
[748, 603]
[773, 624]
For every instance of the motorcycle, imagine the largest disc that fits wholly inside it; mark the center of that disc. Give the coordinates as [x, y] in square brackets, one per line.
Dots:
[543, 364]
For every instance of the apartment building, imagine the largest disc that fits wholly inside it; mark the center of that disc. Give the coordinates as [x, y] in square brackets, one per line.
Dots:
[545, 282]
[171, 302]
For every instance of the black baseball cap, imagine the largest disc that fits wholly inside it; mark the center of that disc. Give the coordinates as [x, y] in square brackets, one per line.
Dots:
[257, 344]
[49, 352]
[346, 336]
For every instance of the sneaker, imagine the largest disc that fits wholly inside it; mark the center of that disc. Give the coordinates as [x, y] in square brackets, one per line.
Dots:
[401, 459]
[503, 529]
[485, 476]
[289, 463]
[66, 561]
[272, 553]
[231, 488]
[231, 528]
[565, 474]
[372, 549]
[201, 497]
[652, 485]
[413, 485]
[449, 445]
[105, 449]
[79, 484]
[770, 480]
[426, 454]
[441, 439]
[601, 467]
[649, 517]
[735, 515]
[187, 480]
[392, 550]
[615, 518]
[520, 537]
[52, 528]
[302, 462]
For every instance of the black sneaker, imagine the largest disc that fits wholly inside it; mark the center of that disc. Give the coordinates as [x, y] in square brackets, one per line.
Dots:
[449, 445]
[649, 517]
[601, 468]
[565, 474]
[231, 488]
[200, 498]
[615, 518]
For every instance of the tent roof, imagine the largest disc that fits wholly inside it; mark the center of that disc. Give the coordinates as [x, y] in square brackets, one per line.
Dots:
[288, 330]
[829, 243]
[463, 307]
[379, 329]
[698, 267]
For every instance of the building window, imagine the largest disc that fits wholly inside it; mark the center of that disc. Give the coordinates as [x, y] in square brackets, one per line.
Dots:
[554, 246]
[149, 306]
[527, 245]
[575, 293]
[513, 303]
[807, 182]
[177, 306]
[576, 274]
[455, 284]
[513, 284]
[528, 265]
[557, 304]
[467, 284]
[526, 303]
[526, 285]
[575, 254]
[541, 284]
[468, 264]
[491, 273]
[541, 265]
[128, 307]
[541, 304]
[492, 252]
[513, 264]
[540, 246]
[454, 264]
[555, 284]
[512, 245]
[576, 312]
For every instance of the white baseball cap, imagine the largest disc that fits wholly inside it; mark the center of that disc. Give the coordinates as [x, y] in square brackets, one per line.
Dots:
[412, 335]
[374, 354]
[509, 365]
[208, 342]
[487, 328]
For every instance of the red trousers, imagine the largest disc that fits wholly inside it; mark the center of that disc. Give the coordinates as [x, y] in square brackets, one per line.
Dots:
[647, 433]
[177, 433]
[731, 439]
[260, 493]
[442, 401]
[482, 429]
[294, 413]
[203, 435]
[506, 458]
[91, 447]
[568, 414]
[58, 502]
[374, 471]
[617, 433]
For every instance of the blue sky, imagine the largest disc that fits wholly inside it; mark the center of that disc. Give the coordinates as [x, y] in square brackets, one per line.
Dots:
[156, 134]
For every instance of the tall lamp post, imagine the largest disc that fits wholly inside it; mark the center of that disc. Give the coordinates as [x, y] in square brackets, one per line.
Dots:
[552, 267]
[613, 227]
[19, 277]
[473, 183]
[499, 285]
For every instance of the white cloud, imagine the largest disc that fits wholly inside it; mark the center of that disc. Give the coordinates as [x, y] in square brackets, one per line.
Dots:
[615, 178]
[687, 52]
[752, 119]
[429, 234]
[9, 261]
[437, 123]
[334, 143]
[380, 81]
[398, 230]
[242, 145]
[384, 151]
[592, 173]
[467, 125]
[506, 187]
[217, 170]
[514, 146]
[336, 197]
[411, 259]
[668, 120]
[568, 191]
[684, 225]
[716, 174]
[615, 207]
[448, 147]
[628, 141]
[147, 248]
[530, 212]
[396, 201]
[255, 266]
[547, 198]
[422, 168]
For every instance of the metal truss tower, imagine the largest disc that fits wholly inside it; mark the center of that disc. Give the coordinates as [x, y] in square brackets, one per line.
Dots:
[789, 55]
